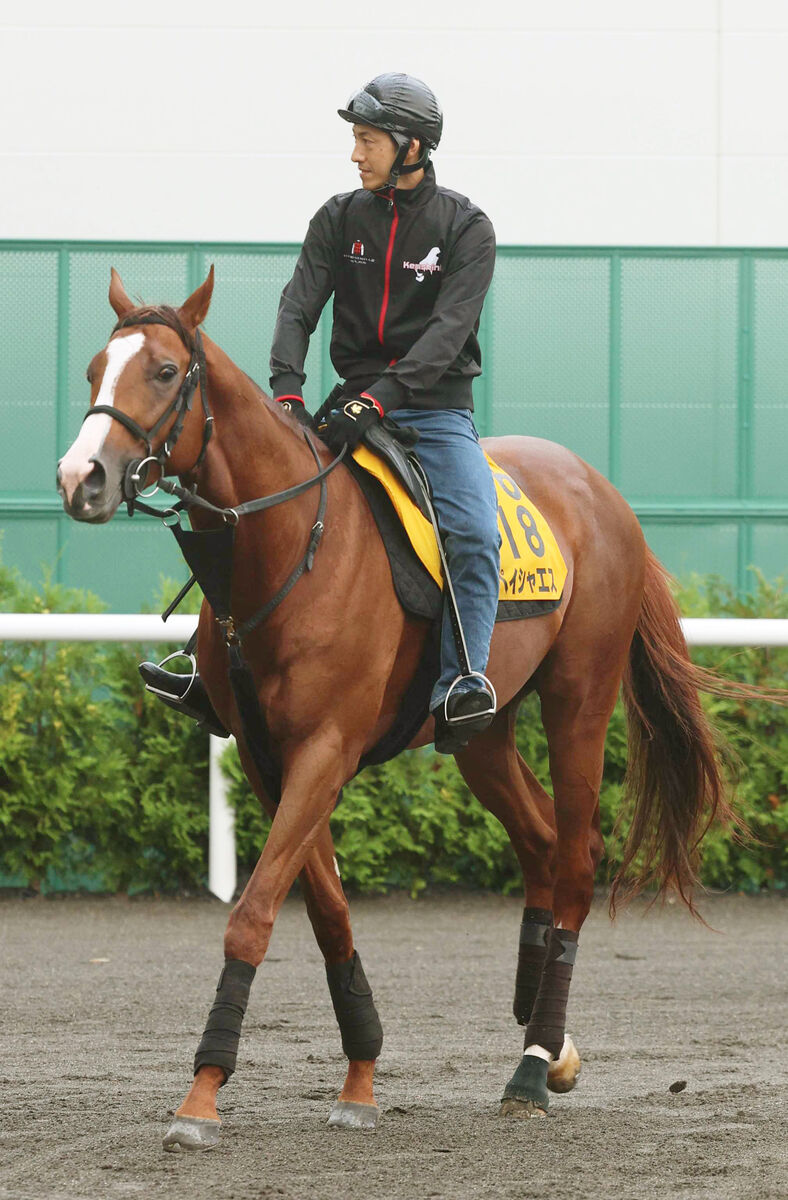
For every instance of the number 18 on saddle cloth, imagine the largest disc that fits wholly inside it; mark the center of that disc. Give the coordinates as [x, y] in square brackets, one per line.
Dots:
[532, 568]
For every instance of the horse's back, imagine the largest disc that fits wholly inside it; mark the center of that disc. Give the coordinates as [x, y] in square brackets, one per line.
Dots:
[573, 496]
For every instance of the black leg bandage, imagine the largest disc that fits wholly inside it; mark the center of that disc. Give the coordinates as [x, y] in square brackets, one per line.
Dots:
[359, 1024]
[219, 1044]
[547, 1021]
[534, 932]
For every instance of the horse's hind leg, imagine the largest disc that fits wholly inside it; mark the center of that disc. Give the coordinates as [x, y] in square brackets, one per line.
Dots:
[504, 784]
[577, 699]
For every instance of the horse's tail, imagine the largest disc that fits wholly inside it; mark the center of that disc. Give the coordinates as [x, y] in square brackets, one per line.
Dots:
[674, 785]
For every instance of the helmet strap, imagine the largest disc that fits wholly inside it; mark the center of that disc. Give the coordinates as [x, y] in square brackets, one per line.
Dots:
[397, 167]
[417, 166]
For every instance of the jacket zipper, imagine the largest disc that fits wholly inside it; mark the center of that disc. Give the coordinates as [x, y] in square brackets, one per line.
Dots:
[387, 276]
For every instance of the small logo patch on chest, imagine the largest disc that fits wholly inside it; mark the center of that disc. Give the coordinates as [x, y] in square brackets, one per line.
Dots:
[357, 254]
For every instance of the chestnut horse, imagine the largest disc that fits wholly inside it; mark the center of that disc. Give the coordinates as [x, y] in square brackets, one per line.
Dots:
[332, 662]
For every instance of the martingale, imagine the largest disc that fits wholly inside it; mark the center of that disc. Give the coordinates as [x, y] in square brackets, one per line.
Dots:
[532, 566]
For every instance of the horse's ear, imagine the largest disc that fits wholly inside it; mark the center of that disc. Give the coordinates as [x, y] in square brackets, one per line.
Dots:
[195, 310]
[117, 295]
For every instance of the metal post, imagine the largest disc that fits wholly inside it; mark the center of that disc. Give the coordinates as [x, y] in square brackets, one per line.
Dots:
[221, 838]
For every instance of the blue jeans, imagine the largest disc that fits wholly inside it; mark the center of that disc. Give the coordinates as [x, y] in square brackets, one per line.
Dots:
[464, 499]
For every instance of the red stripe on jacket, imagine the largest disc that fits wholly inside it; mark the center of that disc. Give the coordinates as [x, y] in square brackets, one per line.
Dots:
[387, 277]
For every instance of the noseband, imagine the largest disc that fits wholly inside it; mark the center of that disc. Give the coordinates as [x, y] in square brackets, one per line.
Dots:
[195, 377]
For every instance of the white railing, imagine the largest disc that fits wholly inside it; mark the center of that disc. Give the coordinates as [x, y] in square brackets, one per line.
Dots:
[136, 627]
[139, 627]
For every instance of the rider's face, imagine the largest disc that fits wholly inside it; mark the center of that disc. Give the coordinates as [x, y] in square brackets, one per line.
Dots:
[374, 153]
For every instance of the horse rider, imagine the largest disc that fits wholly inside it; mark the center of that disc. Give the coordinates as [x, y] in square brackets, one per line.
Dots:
[409, 264]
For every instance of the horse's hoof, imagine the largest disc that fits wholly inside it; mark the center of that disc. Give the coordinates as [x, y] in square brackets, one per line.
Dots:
[192, 1133]
[524, 1110]
[525, 1095]
[346, 1114]
[562, 1074]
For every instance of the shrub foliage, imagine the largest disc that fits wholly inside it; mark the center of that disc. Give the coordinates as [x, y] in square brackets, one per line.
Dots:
[103, 787]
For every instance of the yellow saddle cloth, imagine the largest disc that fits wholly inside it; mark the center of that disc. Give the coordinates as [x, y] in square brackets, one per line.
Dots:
[532, 566]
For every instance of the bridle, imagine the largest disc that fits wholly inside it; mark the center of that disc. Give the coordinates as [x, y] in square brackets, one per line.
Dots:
[196, 376]
[186, 498]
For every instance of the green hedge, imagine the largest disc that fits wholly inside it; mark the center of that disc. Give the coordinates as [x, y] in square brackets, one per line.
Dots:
[101, 787]
[104, 788]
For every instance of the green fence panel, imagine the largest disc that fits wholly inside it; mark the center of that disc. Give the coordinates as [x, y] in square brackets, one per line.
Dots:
[679, 377]
[140, 554]
[243, 312]
[32, 544]
[686, 547]
[666, 369]
[769, 409]
[547, 374]
[766, 547]
[29, 380]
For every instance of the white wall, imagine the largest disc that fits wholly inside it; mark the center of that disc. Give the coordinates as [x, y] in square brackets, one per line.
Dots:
[657, 122]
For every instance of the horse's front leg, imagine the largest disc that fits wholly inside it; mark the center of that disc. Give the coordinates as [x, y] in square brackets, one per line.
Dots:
[351, 995]
[312, 777]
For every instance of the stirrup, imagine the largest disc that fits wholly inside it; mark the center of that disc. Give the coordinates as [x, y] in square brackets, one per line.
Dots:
[193, 701]
[452, 733]
[162, 692]
[487, 688]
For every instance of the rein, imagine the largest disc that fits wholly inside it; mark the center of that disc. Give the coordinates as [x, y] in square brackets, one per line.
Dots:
[187, 498]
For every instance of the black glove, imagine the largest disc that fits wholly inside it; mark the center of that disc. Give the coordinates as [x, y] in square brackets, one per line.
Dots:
[347, 426]
[298, 410]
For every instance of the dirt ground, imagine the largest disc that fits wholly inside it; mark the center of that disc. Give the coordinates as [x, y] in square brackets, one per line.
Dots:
[96, 1054]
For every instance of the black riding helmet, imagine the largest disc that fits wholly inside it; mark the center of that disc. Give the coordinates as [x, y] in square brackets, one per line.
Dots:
[404, 107]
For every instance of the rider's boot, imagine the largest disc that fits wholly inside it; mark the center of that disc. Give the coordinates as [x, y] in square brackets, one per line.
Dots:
[460, 717]
[185, 693]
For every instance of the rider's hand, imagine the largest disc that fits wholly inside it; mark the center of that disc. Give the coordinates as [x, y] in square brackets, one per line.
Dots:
[296, 406]
[347, 425]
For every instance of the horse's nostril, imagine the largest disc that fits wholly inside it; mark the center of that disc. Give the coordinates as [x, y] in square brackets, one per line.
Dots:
[95, 482]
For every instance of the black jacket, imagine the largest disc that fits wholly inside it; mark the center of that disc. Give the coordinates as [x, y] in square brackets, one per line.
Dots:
[409, 279]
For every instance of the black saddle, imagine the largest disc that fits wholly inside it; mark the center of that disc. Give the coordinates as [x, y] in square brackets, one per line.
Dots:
[394, 444]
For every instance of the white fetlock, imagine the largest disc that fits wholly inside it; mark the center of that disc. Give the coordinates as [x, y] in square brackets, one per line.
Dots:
[562, 1074]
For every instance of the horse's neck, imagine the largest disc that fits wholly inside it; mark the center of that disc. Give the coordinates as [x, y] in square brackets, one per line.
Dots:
[254, 450]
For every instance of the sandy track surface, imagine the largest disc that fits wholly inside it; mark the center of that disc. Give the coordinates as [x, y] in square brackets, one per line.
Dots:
[95, 1055]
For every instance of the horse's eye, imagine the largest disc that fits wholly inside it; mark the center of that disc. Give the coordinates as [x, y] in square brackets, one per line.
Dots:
[88, 376]
[167, 373]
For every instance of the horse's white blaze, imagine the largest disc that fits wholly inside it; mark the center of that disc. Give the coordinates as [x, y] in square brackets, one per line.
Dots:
[75, 464]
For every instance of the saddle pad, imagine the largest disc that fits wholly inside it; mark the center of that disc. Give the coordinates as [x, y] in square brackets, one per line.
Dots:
[532, 566]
